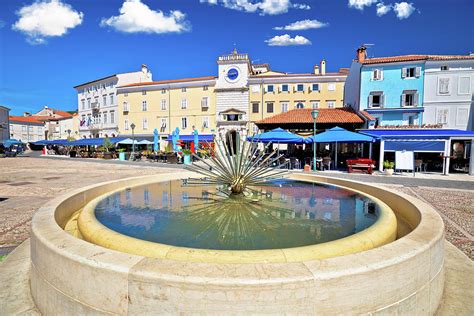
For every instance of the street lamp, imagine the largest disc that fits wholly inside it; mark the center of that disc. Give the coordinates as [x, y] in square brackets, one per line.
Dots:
[69, 133]
[314, 114]
[132, 126]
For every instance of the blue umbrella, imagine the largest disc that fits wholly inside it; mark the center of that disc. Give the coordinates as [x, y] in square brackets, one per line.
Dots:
[155, 140]
[196, 140]
[277, 135]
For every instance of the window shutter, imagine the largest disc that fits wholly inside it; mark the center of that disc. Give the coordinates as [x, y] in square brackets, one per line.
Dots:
[404, 72]
[382, 100]
[415, 101]
[417, 71]
[370, 100]
[373, 74]
[403, 99]
[381, 74]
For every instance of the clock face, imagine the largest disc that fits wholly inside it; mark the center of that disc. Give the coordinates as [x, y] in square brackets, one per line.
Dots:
[232, 73]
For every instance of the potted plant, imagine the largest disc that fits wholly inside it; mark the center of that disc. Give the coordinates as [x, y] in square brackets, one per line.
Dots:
[121, 152]
[187, 156]
[108, 145]
[388, 167]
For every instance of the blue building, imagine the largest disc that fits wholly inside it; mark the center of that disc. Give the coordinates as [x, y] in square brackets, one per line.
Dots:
[388, 88]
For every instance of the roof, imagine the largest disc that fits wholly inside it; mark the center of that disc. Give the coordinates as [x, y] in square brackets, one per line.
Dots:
[340, 115]
[140, 84]
[417, 133]
[62, 113]
[89, 82]
[394, 59]
[300, 75]
[25, 119]
[367, 115]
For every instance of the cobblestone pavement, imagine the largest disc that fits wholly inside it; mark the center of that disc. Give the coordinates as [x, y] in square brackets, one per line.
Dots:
[28, 183]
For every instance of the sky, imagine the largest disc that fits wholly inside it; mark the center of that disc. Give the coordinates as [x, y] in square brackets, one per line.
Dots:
[49, 46]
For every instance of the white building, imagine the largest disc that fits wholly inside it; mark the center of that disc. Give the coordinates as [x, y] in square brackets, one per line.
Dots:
[56, 122]
[97, 103]
[4, 123]
[26, 129]
[448, 98]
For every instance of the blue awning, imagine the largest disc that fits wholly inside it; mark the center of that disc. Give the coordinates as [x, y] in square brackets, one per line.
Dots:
[190, 138]
[410, 133]
[94, 141]
[277, 135]
[416, 146]
[10, 142]
[340, 135]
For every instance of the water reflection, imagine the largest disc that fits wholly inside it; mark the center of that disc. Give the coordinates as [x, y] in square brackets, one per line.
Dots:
[286, 214]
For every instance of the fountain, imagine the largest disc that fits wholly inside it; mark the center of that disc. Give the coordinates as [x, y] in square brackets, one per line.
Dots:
[236, 234]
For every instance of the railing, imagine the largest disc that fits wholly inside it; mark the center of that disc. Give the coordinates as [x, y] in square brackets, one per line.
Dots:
[95, 105]
[234, 57]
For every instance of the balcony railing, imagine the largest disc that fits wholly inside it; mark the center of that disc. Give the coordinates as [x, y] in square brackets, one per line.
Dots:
[95, 105]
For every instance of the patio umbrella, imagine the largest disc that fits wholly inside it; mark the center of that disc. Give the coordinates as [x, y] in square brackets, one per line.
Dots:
[196, 140]
[155, 140]
[128, 141]
[145, 142]
[277, 135]
[339, 135]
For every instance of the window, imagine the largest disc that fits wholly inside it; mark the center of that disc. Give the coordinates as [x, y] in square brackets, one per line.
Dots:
[143, 92]
[411, 120]
[23, 128]
[255, 88]
[163, 91]
[409, 98]
[377, 74]
[376, 99]
[126, 125]
[411, 72]
[315, 87]
[164, 122]
[83, 102]
[442, 116]
[205, 122]
[89, 103]
[144, 106]
[204, 103]
[300, 87]
[331, 87]
[270, 88]
[184, 103]
[284, 88]
[464, 86]
[145, 123]
[270, 107]
[331, 104]
[183, 89]
[284, 106]
[315, 104]
[111, 99]
[163, 104]
[112, 117]
[105, 118]
[184, 123]
[104, 100]
[444, 68]
[300, 105]
[443, 85]
[126, 108]
[462, 116]
[125, 94]
[255, 107]
[205, 88]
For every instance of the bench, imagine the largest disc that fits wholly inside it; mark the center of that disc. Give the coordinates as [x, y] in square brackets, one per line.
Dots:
[360, 164]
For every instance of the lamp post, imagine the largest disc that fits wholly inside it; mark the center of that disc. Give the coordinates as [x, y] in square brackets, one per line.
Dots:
[68, 133]
[314, 114]
[132, 126]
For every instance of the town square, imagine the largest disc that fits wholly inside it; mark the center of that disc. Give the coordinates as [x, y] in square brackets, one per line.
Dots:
[236, 157]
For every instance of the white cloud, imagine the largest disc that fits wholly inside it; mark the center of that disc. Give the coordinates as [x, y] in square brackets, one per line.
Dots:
[403, 9]
[46, 18]
[136, 16]
[302, 25]
[287, 40]
[383, 9]
[270, 7]
[360, 4]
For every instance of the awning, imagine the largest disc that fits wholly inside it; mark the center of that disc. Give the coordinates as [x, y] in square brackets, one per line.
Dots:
[416, 133]
[10, 142]
[277, 135]
[94, 141]
[190, 138]
[416, 146]
[340, 135]
[44, 142]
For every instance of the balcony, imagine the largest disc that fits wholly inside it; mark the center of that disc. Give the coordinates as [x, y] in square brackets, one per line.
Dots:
[95, 106]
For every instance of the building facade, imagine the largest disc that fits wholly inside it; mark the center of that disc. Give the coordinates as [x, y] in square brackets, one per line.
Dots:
[56, 122]
[448, 99]
[226, 105]
[97, 103]
[4, 123]
[26, 128]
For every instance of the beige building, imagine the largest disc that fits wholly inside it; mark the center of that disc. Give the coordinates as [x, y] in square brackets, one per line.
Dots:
[226, 105]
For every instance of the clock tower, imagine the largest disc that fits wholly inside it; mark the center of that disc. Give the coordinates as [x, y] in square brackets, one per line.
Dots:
[232, 96]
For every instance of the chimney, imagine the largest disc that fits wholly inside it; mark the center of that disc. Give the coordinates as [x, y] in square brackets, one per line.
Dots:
[323, 67]
[316, 69]
[361, 54]
[144, 68]
[26, 114]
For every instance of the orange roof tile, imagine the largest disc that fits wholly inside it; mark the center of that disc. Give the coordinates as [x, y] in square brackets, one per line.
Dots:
[62, 113]
[25, 119]
[394, 59]
[168, 81]
[341, 115]
[367, 115]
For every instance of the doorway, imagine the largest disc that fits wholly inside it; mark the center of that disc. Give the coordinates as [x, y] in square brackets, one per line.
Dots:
[232, 140]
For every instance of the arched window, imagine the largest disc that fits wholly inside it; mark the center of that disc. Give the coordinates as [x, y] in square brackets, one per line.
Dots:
[299, 105]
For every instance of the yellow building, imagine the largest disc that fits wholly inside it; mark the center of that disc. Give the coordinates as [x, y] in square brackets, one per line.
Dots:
[226, 105]
[167, 104]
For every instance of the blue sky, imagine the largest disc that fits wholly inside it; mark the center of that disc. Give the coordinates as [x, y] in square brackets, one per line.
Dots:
[42, 56]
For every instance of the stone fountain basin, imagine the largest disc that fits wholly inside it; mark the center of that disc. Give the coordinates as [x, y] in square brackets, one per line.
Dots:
[72, 276]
